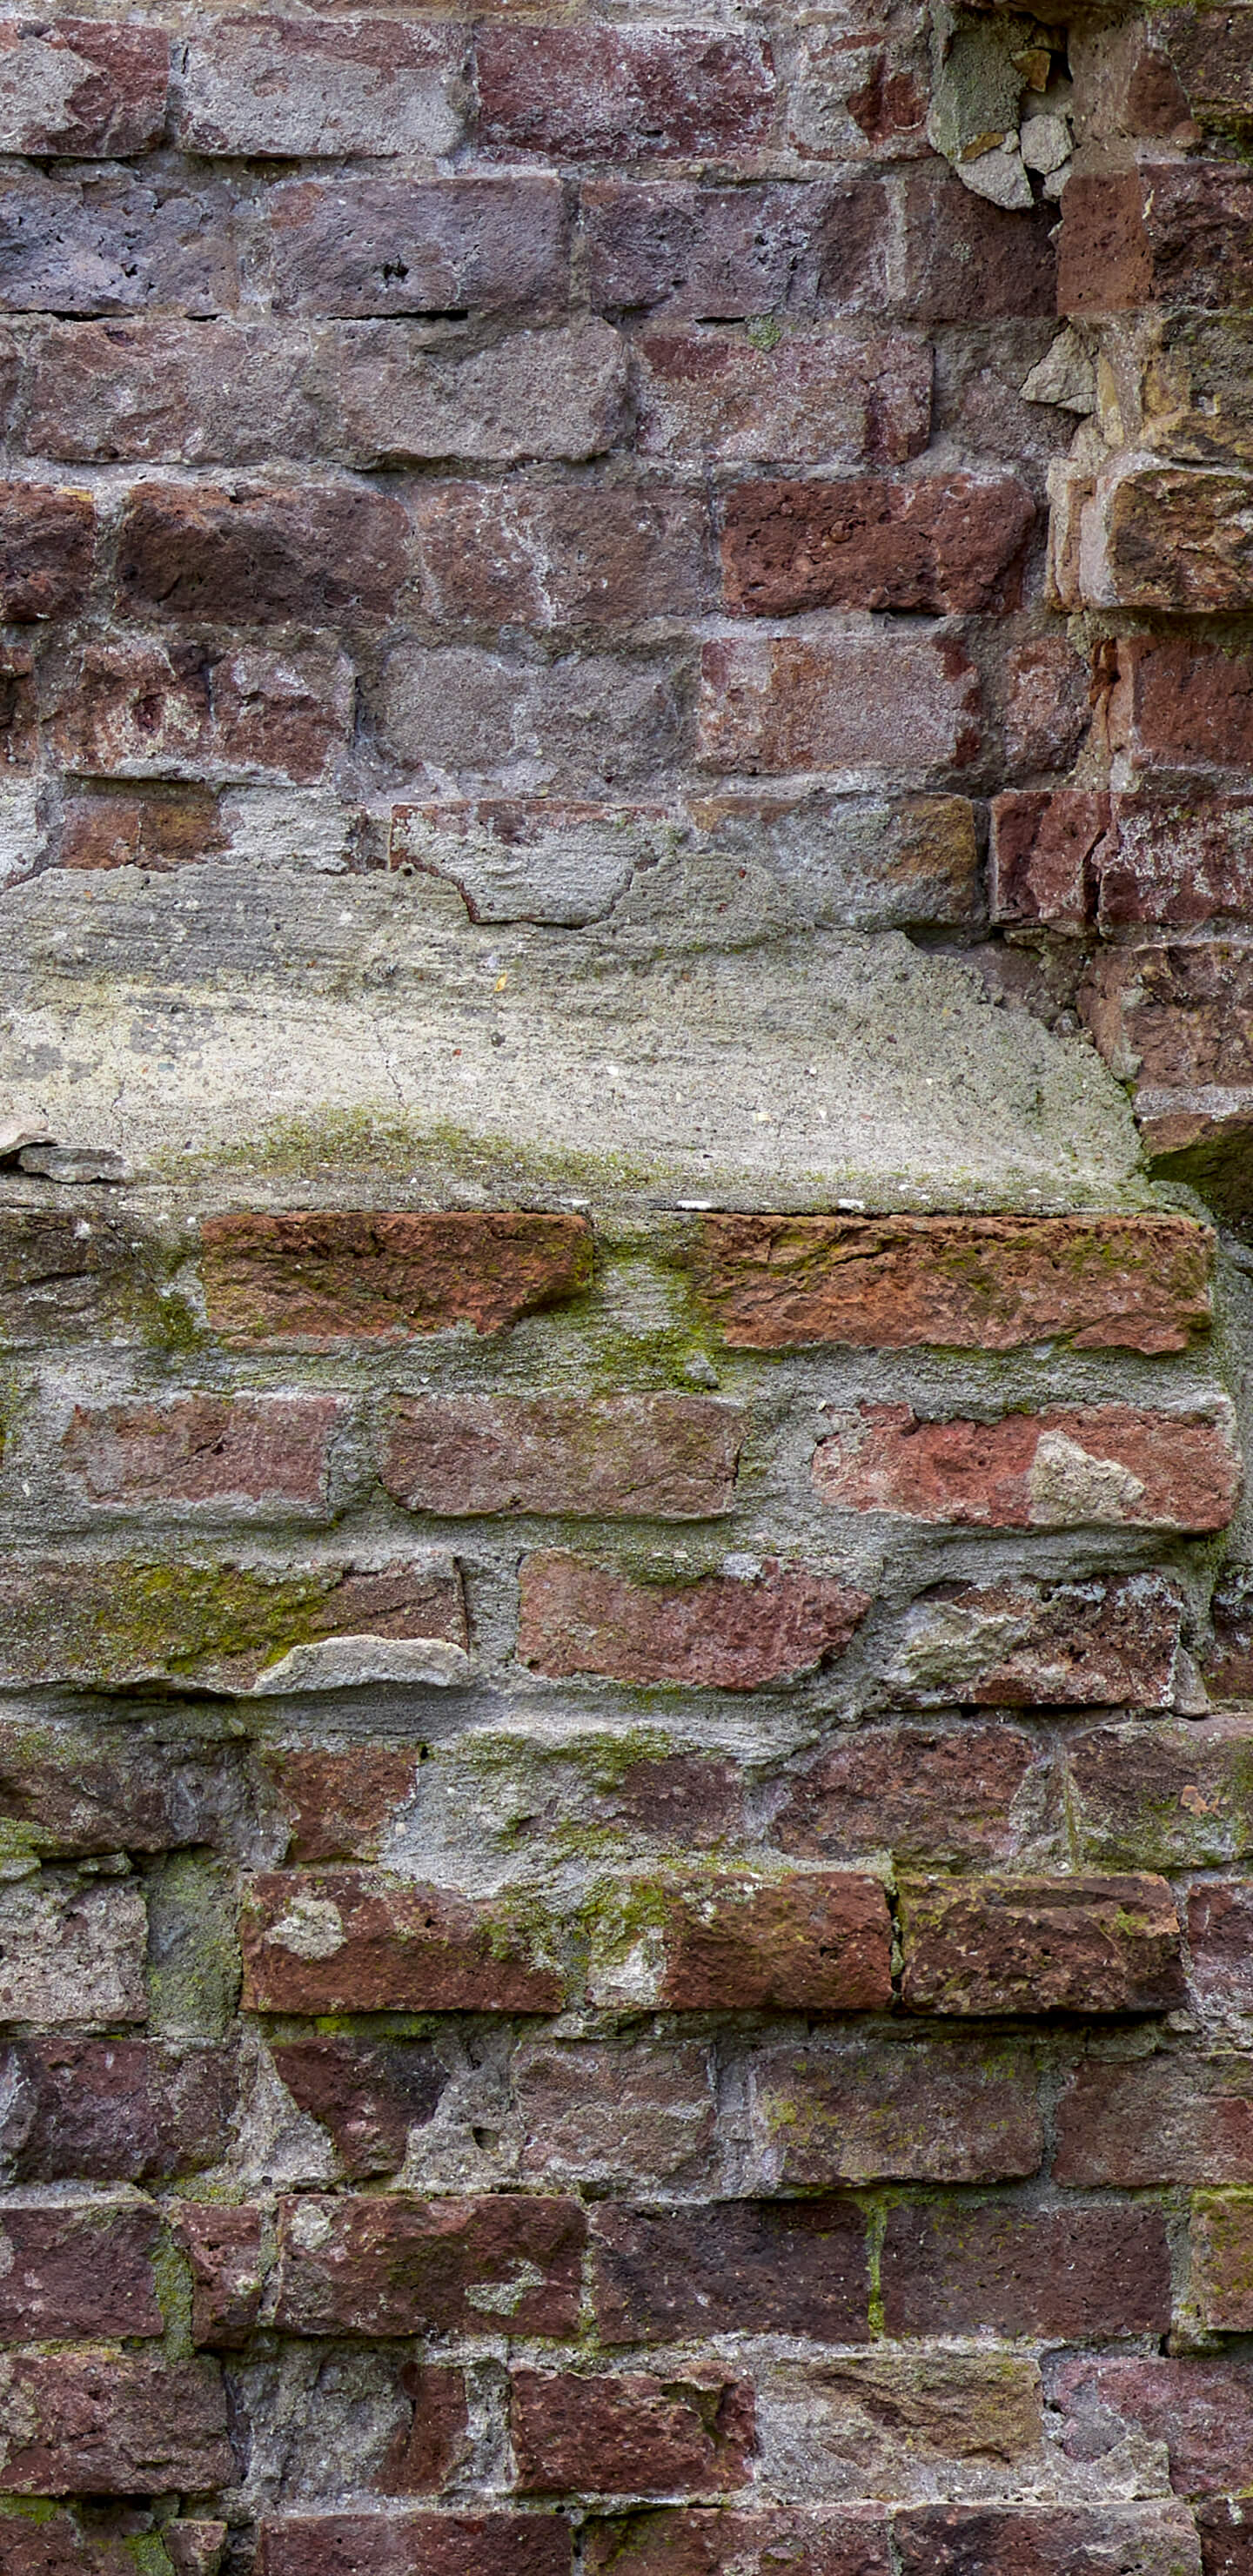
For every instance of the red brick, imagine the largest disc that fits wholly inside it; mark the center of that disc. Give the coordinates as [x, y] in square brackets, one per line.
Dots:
[47, 538]
[812, 1942]
[330, 1277]
[1227, 1664]
[1168, 232]
[965, 1283]
[113, 1622]
[224, 2247]
[228, 1452]
[1047, 704]
[429, 2544]
[574, 556]
[1210, 55]
[262, 556]
[915, 2110]
[1046, 2540]
[632, 2435]
[1038, 1945]
[401, 2266]
[837, 398]
[98, 2423]
[623, 93]
[367, 2093]
[376, 246]
[706, 2540]
[438, 2440]
[341, 1805]
[1166, 1796]
[793, 2267]
[1176, 2117]
[968, 261]
[77, 2271]
[114, 242]
[1170, 537]
[659, 1457]
[1197, 2409]
[1173, 1015]
[945, 543]
[960, 1793]
[299, 89]
[1048, 854]
[75, 88]
[1004, 2270]
[604, 2114]
[151, 711]
[1220, 1944]
[155, 832]
[354, 1941]
[860, 701]
[73, 1793]
[718, 1633]
[1225, 2531]
[1177, 706]
[115, 2110]
[1103, 1465]
[63, 2543]
[1078, 1645]
[723, 254]
[1076, 860]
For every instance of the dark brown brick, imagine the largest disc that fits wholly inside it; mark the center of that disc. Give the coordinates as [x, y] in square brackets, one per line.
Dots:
[116, 242]
[1165, 1796]
[116, 2110]
[1046, 2540]
[1037, 1945]
[78, 2271]
[119, 710]
[1220, 1944]
[1176, 705]
[74, 1793]
[630, 2435]
[1175, 2117]
[1168, 232]
[829, 398]
[666, 1457]
[331, 1277]
[919, 2110]
[157, 832]
[968, 261]
[367, 2093]
[736, 2266]
[623, 93]
[1008, 2271]
[718, 1633]
[47, 537]
[445, 2544]
[578, 558]
[962, 1793]
[340, 1805]
[727, 254]
[703, 2540]
[112, 2424]
[402, 2266]
[257, 557]
[941, 544]
[353, 1941]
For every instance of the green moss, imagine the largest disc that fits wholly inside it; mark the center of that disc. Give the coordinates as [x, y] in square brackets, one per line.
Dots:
[764, 333]
[194, 1967]
[351, 1142]
[172, 2282]
[121, 1621]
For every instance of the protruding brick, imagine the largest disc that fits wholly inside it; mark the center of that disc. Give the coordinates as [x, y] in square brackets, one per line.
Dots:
[1178, 705]
[1196, 2409]
[79, 88]
[77, 2271]
[793, 2267]
[140, 710]
[301, 89]
[390, 247]
[816, 1941]
[1167, 1796]
[612, 2114]
[1176, 2117]
[966, 1283]
[443, 2544]
[876, 2110]
[1077, 1645]
[1006, 2271]
[623, 93]
[99, 2423]
[260, 557]
[662, 1457]
[847, 701]
[1037, 1945]
[1167, 232]
[328, 1277]
[703, 2540]
[352, 1941]
[369, 2094]
[401, 2266]
[47, 536]
[115, 2110]
[966, 1792]
[1103, 1465]
[224, 2247]
[718, 1633]
[108, 1623]
[245, 1453]
[829, 399]
[946, 543]
[632, 2435]
[1046, 2540]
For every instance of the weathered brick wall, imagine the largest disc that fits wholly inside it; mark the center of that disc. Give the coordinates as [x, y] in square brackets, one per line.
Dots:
[626, 1619]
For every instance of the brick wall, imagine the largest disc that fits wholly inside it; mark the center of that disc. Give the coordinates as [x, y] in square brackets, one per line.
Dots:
[626, 1610]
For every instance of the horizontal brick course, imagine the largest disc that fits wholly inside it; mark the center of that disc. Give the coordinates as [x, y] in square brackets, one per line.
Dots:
[1035, 1945]
[1100, 1463]
[883, 2110]
[95, 2423]
[721, 1633]
[671, 1457]
[345, 1941]
[814, 1941]
[332, 1277]
[403, 2266]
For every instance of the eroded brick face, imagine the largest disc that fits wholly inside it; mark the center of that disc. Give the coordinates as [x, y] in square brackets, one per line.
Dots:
[626, 1190]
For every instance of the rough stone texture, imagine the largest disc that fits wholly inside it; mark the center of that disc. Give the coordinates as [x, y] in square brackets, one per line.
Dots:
[727, 1634]
[889, 2111]
[663, 1457]
[818, 1942]
[401, 2266]
[1047, 1471]
[797, 2267]
[633, 2434]
[1082, 1645]
[1035, 1945]
[268, 1452]
[961, 2271]
[329, 1278]
[101, 2423]
[931, 545]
